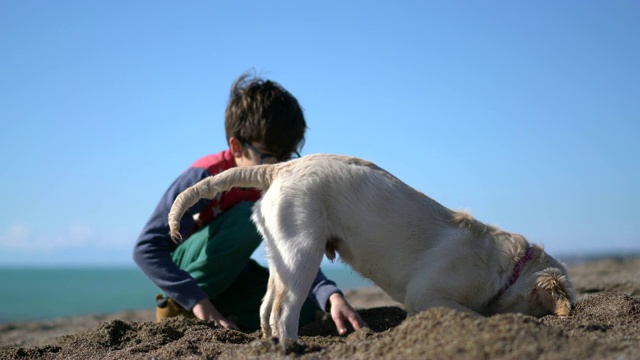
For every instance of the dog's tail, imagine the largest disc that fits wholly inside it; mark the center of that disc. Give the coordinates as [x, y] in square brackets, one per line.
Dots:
[259, 177]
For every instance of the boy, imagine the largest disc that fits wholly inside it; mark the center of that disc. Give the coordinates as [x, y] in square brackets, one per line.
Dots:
[211, 273]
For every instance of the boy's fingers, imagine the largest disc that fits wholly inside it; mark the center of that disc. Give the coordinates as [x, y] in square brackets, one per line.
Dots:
[357, 322]
[354, 319]
[342, 329]
[227, 324]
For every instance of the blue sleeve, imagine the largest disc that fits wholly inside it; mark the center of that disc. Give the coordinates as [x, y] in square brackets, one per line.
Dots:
[152, 252]
[321, 289]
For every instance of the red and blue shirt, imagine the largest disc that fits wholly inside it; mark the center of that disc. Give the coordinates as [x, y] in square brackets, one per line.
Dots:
[152, 252]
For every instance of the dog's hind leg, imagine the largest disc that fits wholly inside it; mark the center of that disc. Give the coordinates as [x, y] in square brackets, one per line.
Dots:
[295, 236]
[266, 308]
[294, 259]
[293, 283]
[295, 254]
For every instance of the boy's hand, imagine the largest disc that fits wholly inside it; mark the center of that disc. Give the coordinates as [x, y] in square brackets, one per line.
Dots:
[341, 311]
[204, 310]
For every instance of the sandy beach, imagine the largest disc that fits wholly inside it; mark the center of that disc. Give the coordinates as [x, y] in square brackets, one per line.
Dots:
[605, 323]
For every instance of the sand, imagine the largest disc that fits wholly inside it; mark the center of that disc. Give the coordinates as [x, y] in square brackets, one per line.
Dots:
[605, 324]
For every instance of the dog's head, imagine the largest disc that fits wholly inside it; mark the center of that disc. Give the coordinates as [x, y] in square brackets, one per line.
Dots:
[544, 289]
[552, 293]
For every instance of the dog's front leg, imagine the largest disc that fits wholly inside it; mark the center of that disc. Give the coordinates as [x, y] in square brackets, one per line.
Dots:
[419, 301]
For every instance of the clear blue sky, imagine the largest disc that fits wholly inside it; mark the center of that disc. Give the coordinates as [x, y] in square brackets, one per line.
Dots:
[526, 114]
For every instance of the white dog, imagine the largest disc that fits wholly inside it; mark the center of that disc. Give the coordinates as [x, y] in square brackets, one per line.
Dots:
[418, 251]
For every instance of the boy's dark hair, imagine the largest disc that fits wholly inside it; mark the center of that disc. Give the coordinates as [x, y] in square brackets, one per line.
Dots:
[263, 111]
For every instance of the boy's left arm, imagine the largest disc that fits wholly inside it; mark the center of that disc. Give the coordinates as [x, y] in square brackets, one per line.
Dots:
[341, 310]
[331, 299]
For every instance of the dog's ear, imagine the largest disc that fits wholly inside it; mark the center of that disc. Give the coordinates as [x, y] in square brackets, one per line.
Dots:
[552, 290]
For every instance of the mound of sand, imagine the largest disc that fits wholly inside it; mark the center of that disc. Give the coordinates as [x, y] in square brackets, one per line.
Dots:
[604, 324]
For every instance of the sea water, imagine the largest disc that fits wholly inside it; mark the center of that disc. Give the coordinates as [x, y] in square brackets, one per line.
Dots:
[31, 294]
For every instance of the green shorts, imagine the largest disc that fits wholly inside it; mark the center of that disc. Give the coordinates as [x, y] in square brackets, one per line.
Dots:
[218, 257]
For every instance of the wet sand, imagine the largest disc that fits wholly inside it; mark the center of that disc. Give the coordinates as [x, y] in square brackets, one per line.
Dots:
[604, 324]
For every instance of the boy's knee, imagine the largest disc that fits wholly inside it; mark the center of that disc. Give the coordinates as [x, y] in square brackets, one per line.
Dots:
[239, 222]
[236, 235]
[243, 208]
